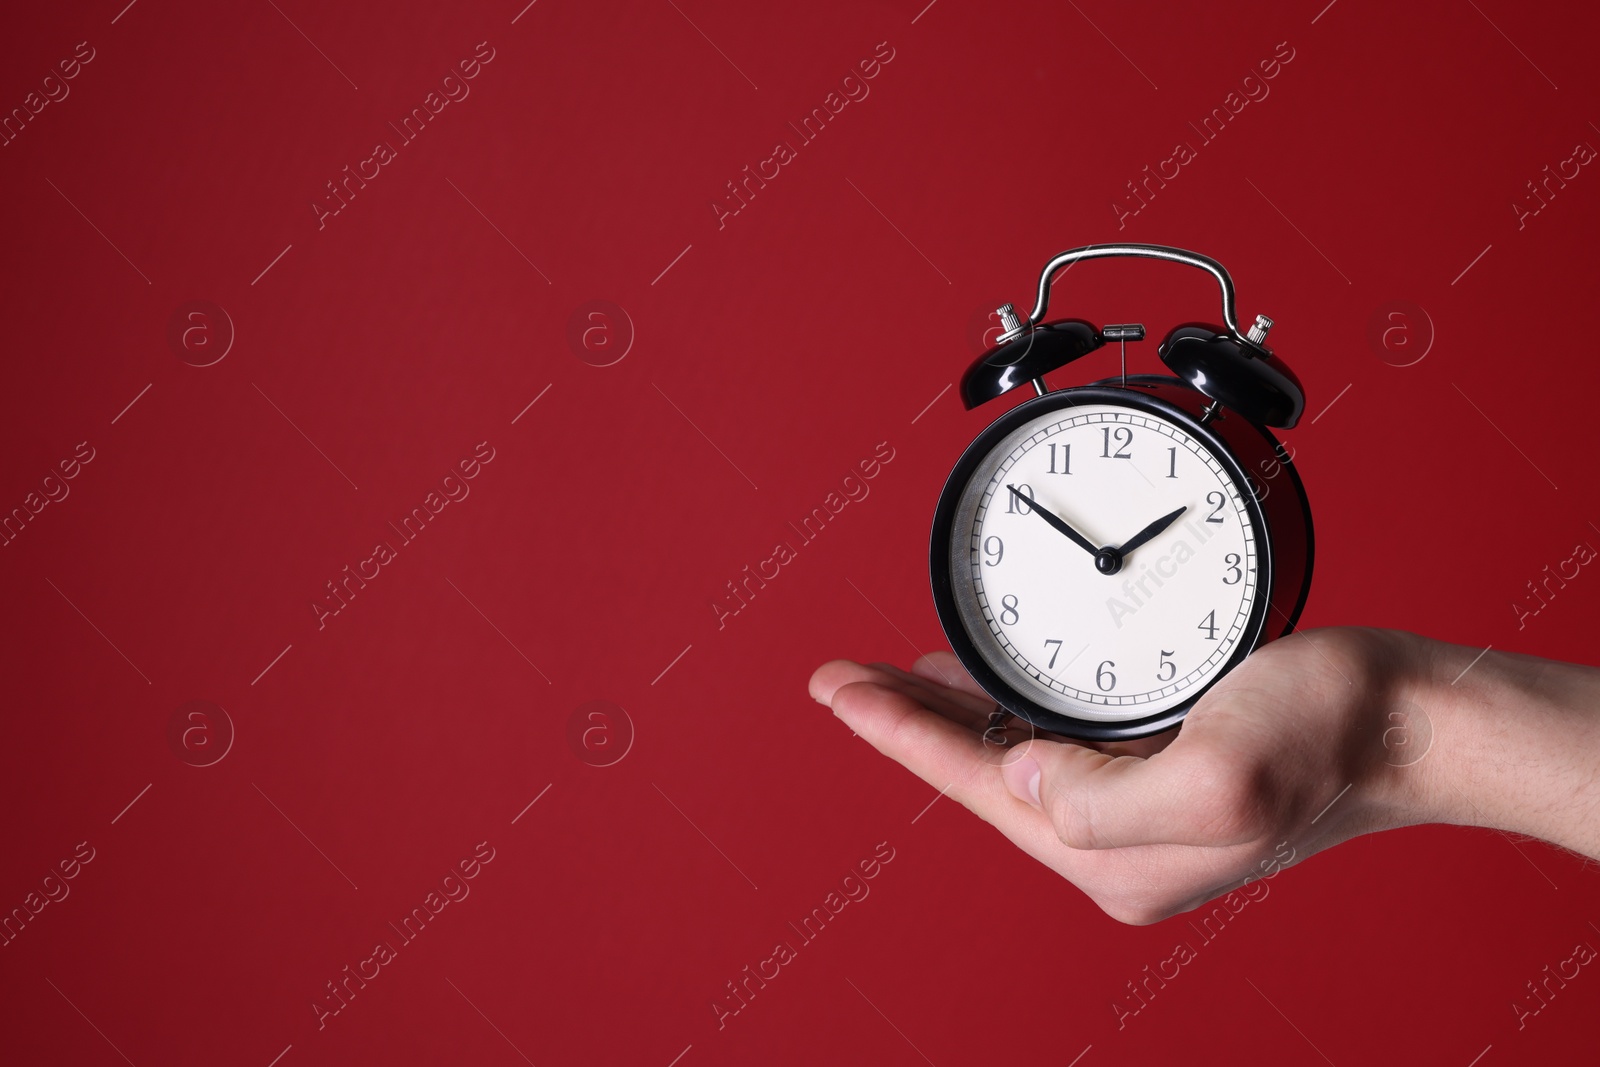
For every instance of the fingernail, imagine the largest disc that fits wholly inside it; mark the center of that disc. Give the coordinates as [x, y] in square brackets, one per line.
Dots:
[1022, 778]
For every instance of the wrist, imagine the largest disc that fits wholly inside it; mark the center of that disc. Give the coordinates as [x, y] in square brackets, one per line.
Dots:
[1515, 744]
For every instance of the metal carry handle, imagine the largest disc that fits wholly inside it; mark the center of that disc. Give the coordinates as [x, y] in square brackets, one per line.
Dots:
[1257, 333]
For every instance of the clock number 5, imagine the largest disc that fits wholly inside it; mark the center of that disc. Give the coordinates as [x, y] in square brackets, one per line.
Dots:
[1169, 669]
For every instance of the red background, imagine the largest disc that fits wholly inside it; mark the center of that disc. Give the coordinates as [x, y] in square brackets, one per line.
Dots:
[829, 315]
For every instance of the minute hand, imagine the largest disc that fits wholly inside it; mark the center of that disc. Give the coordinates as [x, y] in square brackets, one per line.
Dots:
[1150, 531]
[1077, 538]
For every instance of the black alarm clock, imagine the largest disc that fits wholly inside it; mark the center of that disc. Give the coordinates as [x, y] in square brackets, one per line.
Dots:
[1103, 554]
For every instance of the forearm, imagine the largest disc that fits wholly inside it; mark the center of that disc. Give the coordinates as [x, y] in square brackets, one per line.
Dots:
[1515, 745]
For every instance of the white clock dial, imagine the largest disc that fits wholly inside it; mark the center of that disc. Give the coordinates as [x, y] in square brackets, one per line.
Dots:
[1041, 611]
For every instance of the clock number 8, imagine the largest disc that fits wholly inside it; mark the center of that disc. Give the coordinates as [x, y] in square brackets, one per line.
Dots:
[1008, 606]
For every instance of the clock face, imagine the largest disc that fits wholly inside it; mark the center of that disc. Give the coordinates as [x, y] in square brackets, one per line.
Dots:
[1106, 563]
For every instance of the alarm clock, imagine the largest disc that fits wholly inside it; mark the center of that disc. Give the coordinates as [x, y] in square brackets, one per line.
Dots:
[1103, 554]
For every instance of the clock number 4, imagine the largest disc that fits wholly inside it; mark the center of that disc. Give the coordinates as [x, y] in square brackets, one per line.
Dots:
[1015, 506]
[1124, 439]
[1209, 625]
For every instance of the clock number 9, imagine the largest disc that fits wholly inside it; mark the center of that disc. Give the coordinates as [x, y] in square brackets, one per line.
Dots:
[1232, 560]
[1104, 678]
[997, 551]
[1015, 506]
[1008, 606]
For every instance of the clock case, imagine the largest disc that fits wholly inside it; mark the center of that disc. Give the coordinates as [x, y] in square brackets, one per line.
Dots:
[1275, 497]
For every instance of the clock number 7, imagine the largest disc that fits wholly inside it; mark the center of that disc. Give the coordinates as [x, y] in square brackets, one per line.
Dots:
[1053, 655]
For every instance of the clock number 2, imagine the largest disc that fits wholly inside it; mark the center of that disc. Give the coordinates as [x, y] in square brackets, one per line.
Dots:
[1124, 438]
[1216, 500]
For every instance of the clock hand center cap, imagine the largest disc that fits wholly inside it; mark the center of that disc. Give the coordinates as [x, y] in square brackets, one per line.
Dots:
[1108, 561]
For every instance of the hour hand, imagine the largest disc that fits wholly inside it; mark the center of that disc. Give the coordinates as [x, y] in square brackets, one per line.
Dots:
[1076, 537]
[1150, 531]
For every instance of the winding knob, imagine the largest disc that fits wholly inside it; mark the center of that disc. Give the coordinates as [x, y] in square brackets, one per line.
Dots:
[1010, 324]
[1258, 332]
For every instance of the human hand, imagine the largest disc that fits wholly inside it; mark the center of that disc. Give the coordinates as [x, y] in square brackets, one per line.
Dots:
[1294, 751]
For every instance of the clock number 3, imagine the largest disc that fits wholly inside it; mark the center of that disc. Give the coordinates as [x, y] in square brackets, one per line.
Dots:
[1232, 560]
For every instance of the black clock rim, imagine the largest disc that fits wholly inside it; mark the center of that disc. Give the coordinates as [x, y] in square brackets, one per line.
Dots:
[939, 552]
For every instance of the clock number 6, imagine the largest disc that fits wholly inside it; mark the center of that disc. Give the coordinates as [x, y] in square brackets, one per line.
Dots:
[1104, 678]
[1008, 606]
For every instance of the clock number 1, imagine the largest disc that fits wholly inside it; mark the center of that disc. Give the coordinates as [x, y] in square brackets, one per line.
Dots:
[1172, 463]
